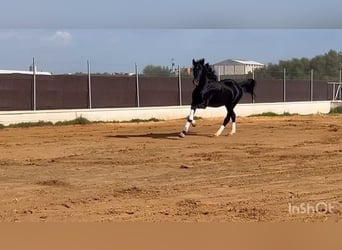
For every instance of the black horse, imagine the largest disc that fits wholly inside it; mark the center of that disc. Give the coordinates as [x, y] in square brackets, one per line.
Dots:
[209, 92]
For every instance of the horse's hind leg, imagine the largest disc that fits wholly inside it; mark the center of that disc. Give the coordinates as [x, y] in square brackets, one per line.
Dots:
[233, 115]
[230, 114]
[225, 122]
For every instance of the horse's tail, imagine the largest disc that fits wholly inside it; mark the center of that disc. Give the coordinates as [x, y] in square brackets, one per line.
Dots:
[248, 87]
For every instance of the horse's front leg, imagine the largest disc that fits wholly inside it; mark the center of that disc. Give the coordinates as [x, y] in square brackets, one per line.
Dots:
[189, 122]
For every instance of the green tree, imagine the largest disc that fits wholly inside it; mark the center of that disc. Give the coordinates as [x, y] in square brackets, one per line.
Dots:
[326, 67]
[152, 70]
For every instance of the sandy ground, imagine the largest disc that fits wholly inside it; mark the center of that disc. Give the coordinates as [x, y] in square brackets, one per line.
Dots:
[273, 169]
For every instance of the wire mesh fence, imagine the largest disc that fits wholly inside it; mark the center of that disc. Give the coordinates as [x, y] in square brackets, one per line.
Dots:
[86, 90]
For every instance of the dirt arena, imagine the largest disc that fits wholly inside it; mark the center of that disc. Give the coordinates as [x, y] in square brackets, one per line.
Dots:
[274, 169]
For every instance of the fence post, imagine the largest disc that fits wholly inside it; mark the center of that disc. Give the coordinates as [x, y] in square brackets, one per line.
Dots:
[89, 86]
[180, 86]
[137, 85]
[340, 82]
[34, 85]
[311, 85]
[284, 86]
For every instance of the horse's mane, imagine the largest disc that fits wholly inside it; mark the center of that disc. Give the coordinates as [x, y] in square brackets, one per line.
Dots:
[210, 72]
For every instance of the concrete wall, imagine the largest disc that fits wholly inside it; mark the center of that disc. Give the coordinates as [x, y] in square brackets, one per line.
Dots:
[336, 104]
[165, 113]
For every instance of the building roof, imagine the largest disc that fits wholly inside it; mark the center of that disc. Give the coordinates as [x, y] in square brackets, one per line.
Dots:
[3, 72]
[239, 62]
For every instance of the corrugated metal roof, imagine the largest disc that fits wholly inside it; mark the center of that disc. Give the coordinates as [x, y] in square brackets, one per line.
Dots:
[3, 72]
[228, 61]
[249, 62]
[238, 62]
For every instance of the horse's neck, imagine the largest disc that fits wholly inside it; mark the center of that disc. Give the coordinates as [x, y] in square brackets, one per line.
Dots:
[212, 77]
[204, 80]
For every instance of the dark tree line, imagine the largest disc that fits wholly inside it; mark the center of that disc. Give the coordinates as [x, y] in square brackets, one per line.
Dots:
[325, 67]
[153, 70]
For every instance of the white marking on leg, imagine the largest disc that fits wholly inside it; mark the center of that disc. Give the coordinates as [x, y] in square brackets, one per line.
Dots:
[219, 132]
[191, 116]
[189, 122]
[233, 128]
[187, 126]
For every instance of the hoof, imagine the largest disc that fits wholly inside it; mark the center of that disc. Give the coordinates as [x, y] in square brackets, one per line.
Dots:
[193, 123]
[181, 135]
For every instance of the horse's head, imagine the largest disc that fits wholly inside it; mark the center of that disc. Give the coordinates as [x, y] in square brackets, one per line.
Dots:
[198, 69]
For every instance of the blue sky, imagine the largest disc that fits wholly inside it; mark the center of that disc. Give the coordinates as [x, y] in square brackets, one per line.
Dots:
[170, 14]
[62, 35]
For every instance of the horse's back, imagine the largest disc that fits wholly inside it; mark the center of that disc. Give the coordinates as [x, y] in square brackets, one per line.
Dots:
[222, 93]
[234, 88]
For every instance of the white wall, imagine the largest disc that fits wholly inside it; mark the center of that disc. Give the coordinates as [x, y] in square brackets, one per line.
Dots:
[164, 113]
[336, 104]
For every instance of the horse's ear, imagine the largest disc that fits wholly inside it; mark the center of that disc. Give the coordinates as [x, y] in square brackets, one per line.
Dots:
[201, 61]
[193, 62]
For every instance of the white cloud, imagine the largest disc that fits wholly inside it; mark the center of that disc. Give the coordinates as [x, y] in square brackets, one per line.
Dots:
[59, 38]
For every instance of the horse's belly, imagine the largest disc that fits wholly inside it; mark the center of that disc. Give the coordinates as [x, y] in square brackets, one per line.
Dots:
[219, 99]
[215, 104]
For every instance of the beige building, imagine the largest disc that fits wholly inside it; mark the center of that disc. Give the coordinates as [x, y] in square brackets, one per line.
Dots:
[236, 67]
